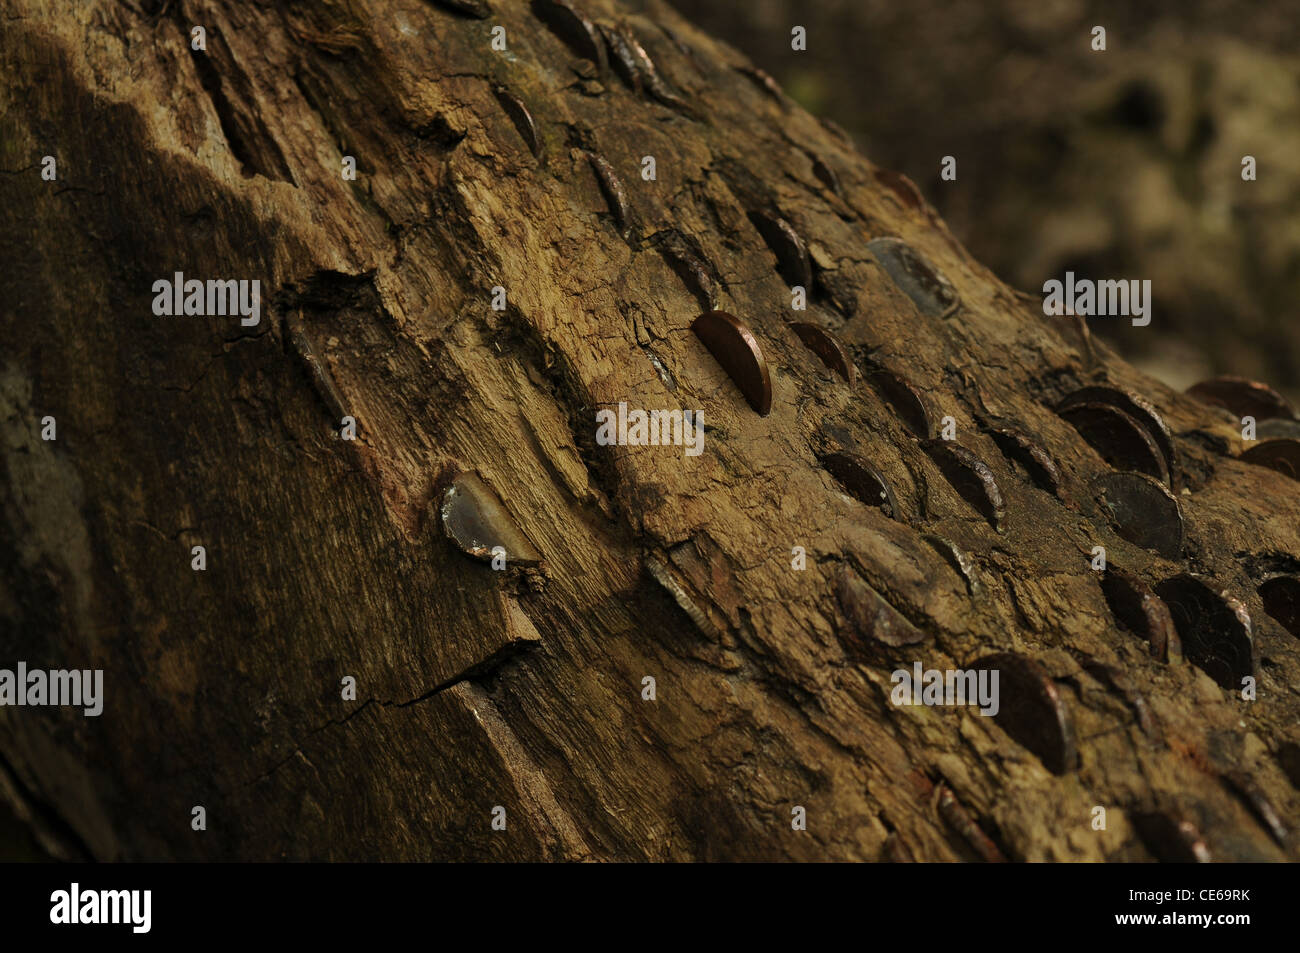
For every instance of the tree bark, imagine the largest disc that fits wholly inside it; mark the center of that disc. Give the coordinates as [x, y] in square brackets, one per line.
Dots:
[523, 688]
[1122, 162]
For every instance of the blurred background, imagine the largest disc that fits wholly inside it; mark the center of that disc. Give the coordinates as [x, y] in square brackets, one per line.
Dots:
[1118, 164]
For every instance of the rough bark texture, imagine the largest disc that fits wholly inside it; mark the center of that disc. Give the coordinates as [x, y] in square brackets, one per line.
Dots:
[1122, 162]
[523, 688]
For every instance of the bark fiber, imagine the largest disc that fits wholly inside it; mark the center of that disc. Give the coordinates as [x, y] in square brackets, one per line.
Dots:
[523, 688]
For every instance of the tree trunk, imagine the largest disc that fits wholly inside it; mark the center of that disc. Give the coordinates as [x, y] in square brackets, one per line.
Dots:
[520, 175]
[1122, 162]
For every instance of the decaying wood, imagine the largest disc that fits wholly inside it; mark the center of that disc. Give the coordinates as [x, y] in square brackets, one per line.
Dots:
[523, 688]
